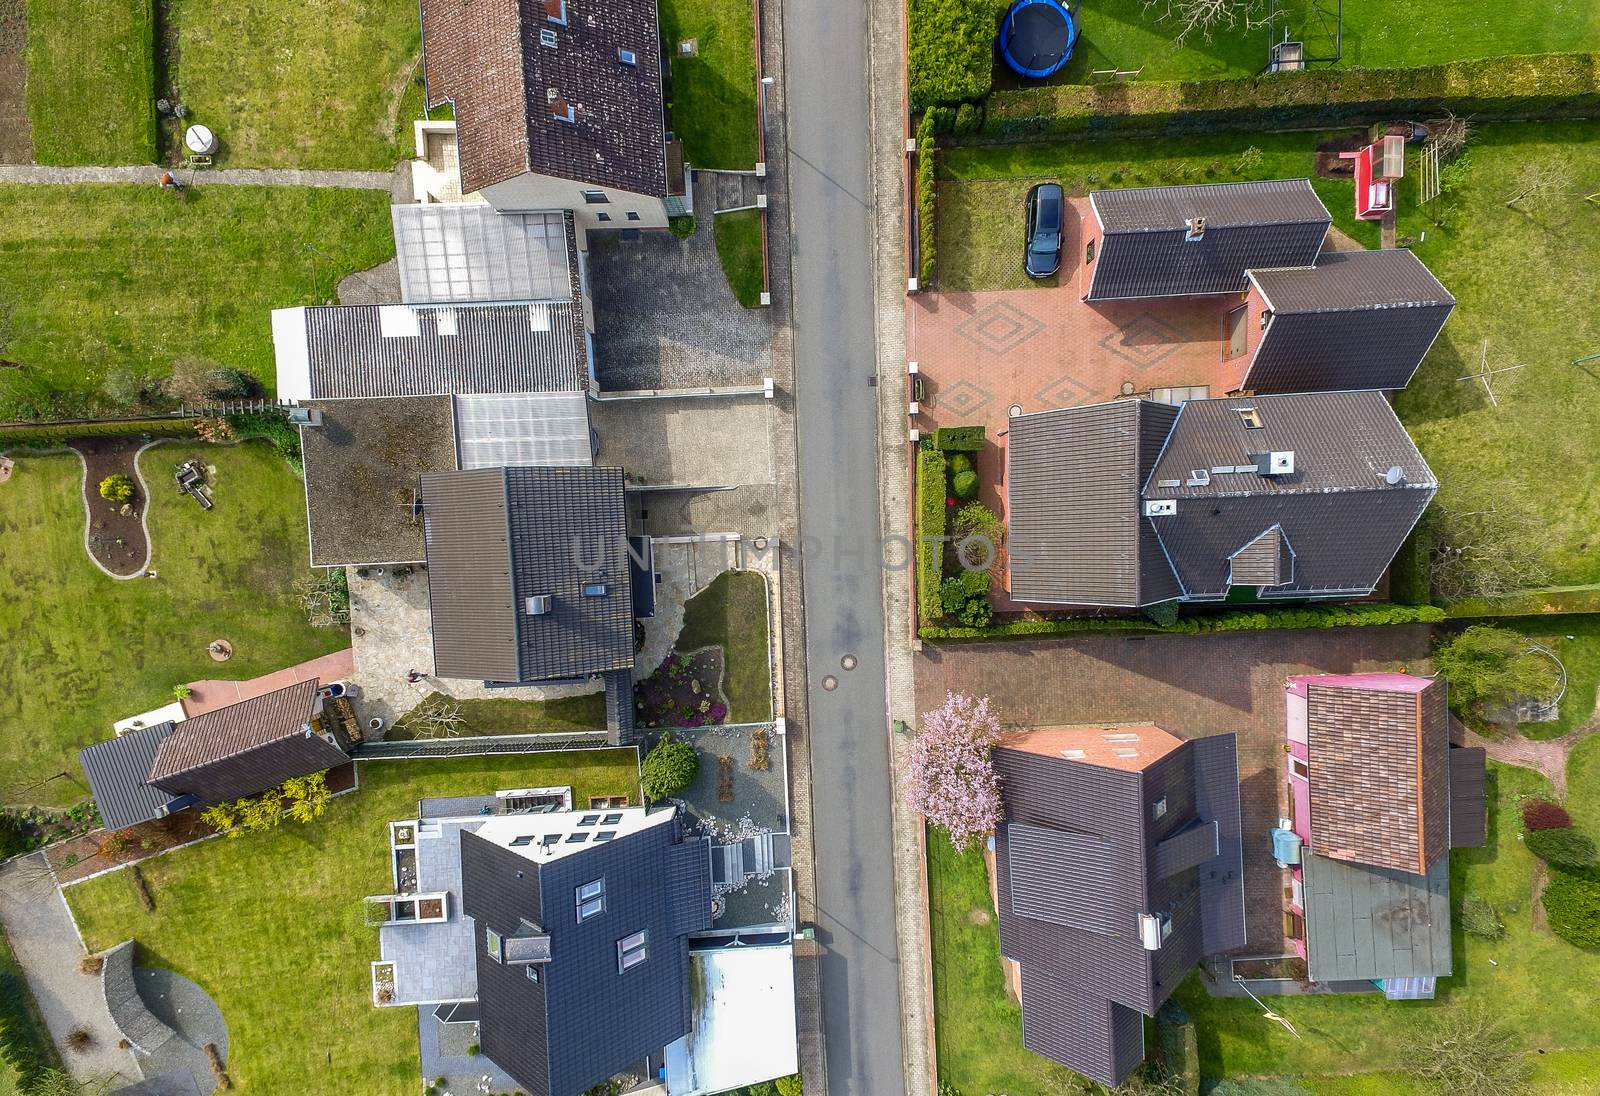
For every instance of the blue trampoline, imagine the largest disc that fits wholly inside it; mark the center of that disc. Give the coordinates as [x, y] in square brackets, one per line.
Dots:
[1037, 37]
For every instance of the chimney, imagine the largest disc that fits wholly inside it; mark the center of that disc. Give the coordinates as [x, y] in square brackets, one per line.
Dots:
[540, 605]
[1194, 228]
[1280, 463]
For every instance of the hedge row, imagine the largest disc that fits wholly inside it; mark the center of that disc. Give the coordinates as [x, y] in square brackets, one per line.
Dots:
[927, 203]
[46, 435]
[1339, 616]
[950, 57]
[958, 439]
[1530, 85]
[931, 528]
[275, 428]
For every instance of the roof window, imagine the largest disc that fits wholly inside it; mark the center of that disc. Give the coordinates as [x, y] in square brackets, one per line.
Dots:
[591, 899]
[547, 38]
[632, 950]
[595, 589]
[493, 944]
[517, 842]
[627, 57]
[1250, 417]
[556, 11]
[588, 820]
[611, 820]
[604, 835]
[577, 838]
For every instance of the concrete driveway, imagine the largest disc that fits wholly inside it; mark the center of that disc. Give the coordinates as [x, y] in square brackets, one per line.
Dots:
[688, 442]
[1191, 685]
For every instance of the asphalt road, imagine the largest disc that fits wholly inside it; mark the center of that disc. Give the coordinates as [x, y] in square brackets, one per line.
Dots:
[825, 50]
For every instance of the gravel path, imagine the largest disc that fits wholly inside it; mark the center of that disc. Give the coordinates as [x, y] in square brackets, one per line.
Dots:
[46, 944]
[396, 182]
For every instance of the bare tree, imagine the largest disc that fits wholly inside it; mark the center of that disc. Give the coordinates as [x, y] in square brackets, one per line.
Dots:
[1206, 17]
[1485, 543]
[1466, 1052]
[1540, 181]
[326, 600]
[439, 717]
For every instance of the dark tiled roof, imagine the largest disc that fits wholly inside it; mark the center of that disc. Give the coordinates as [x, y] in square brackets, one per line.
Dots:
[1379, 774]
[118, 771]
[1367, 923]
[1358, 319]
[362, 465]
[1073, 479]
[1144, 253]
[512, 348]
[498, 537]
[225, 732]
[487, 58]
[583, 1021]
[1079, 858]
[1343, 522]
[461, 252]
[1265, 561]
[1468, 820]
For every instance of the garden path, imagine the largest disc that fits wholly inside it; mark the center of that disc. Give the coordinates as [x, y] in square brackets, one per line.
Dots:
[397, 181]
[46, 943]
[1548, 756]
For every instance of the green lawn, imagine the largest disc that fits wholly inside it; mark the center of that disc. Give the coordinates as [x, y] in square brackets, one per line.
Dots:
[739, 249]
[712, 96]
[1534, 456]
[289, 965]
[110, 283]
[575, 713]
[731, 613]
[1349, 1046]
[91, 81]
[17, 1001]
[83, 650]
[1126, 34]
[1580, 655]
[313, 84]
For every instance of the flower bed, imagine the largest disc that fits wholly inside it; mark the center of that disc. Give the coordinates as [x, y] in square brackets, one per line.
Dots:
[684, 691]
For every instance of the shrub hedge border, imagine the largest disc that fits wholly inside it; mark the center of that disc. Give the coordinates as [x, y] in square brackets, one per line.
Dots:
[49, 434]
[1544, 85]
[1341, 616]
[931, 529]
[927, 203]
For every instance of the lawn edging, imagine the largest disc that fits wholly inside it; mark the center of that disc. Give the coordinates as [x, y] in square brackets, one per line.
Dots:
[1545, 85]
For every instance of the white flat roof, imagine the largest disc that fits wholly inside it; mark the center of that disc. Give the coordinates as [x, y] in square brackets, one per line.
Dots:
[170, 713]
[559, 834]
[743, 1028]
[292, 349]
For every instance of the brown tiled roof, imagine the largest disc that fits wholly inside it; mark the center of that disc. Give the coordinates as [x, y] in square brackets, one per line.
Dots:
[1379, 774]
[227, 732]
[490, 58]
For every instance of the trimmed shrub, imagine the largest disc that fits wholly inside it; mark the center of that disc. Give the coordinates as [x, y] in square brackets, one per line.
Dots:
[1163, 614]
[1541, 814]
[1179, 1049]
[1479, 917]
[1525, 86]
[930, 532]
[958, 439]
[1344, 616]
[789, 1086]
[681, 227]
[1568, 848]
[1572, 902]
[977, 613]
[1409, 582]
[969, 119]
[952, 596]
[950, 57]
[117, 488]
[975, 583]
[22, 1044]
[960, 462]
[927, 202]
[46, 435]
[669, 767]
[965, 484]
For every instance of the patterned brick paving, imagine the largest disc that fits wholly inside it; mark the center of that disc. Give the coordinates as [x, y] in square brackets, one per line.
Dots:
[1192, 685]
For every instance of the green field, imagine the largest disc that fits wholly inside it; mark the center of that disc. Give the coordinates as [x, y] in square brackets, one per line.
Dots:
[481, 717]
[91, 81]
[289, 965]
[84, 650]
[731, 613]
[1127, 34]
[110, 284]
[1349, 1046]
[713, 94]
[1518, 275]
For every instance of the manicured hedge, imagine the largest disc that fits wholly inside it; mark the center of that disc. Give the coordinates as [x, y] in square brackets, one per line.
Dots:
[950, 58]
[958, 439]
[1563, 848]
[927, 203]
[46, 435]
[1341, 616]
[1572, 902]
[930, 532]
[1522, 86]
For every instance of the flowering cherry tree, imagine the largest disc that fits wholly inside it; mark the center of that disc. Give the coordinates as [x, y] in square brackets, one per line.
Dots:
[950, 778]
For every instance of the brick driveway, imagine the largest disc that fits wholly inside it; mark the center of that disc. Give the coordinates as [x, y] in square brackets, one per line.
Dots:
[1191, 685]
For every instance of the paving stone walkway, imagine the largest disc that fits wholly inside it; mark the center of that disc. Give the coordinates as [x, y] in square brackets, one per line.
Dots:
[233, 176]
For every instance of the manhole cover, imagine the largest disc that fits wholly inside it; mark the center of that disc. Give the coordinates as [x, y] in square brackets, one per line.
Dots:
[220, 650]
[830, 683]
[848, 662]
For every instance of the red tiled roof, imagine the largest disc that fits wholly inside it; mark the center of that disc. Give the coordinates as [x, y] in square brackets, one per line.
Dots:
[227, 732]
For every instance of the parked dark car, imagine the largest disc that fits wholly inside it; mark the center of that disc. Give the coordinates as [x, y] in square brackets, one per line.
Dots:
[1046, 207]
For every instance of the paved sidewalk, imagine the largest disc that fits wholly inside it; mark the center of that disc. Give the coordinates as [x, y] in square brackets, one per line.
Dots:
[45, 941]
[211, 693]
[232, 176]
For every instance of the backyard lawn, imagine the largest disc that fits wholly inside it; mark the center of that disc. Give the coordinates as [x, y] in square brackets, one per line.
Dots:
[1523, 278]
[91, 81]
[1581, 656]
[1541, 986]
[1127, 34]
[291, 971]
[731, 613]
[84, 650]
[713, 94]
[480, 717]
[110, 284]
[739, 249]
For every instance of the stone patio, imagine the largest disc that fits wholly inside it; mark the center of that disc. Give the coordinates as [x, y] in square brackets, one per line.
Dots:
[435, 962]
[392, 635]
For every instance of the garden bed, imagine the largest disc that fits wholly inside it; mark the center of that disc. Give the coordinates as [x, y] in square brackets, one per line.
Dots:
[116, 537]
[684, 691]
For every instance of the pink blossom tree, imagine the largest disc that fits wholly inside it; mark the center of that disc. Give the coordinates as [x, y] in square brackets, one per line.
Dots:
[950, 778]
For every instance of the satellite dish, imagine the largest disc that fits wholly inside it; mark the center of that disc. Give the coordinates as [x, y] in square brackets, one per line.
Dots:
[1394, 475]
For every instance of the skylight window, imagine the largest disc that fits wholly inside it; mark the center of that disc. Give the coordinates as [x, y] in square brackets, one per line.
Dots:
[588, 820]
[605, 835]
[547, 38]
[627, 57]
[632, 950]
[518, 842]
[611, 820]
[1250, 417]
[591, 899]
[493, 945]
[577, 838]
